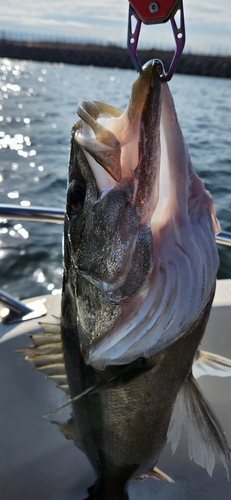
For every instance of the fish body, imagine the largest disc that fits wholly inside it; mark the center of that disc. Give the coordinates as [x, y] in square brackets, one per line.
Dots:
[139, 273]
[140, 265]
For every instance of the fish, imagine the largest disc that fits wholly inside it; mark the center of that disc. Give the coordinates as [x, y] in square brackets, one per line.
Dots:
[139, 276]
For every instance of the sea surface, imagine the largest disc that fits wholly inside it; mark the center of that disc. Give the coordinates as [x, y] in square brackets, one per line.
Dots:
[37, 110]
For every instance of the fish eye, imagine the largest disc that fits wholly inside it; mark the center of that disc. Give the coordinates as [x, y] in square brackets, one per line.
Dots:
[76, 196]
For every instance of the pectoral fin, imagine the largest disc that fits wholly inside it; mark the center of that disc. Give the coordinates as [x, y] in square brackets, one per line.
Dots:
[205, 435]
[207, 363]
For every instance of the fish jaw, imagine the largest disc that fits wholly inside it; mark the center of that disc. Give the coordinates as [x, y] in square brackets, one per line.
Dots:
[126, 145]
[145, 232]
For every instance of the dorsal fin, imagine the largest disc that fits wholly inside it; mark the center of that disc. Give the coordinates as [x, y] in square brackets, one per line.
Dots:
[205, 434]
[46, 354]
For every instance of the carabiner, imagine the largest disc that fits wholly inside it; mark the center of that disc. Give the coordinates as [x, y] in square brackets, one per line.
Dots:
[155, 13]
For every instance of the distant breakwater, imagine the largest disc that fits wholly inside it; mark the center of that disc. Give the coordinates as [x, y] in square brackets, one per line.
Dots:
[112, 56]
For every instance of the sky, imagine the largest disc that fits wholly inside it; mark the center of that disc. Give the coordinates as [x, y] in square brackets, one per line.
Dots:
[208, 23]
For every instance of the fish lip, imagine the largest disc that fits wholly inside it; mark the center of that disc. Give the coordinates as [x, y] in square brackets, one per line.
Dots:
[145, 112]
[152, 63]
[147, 80]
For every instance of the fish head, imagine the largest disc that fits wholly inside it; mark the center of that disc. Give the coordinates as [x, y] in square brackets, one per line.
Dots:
[138, 225]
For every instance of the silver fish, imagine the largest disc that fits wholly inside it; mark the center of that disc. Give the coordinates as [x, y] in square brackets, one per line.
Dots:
[140, 265]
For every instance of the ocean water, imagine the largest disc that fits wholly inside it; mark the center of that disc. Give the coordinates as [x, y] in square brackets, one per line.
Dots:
[37, 110]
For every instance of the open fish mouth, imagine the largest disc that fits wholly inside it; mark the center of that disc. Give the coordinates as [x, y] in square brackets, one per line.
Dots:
[152, 222]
